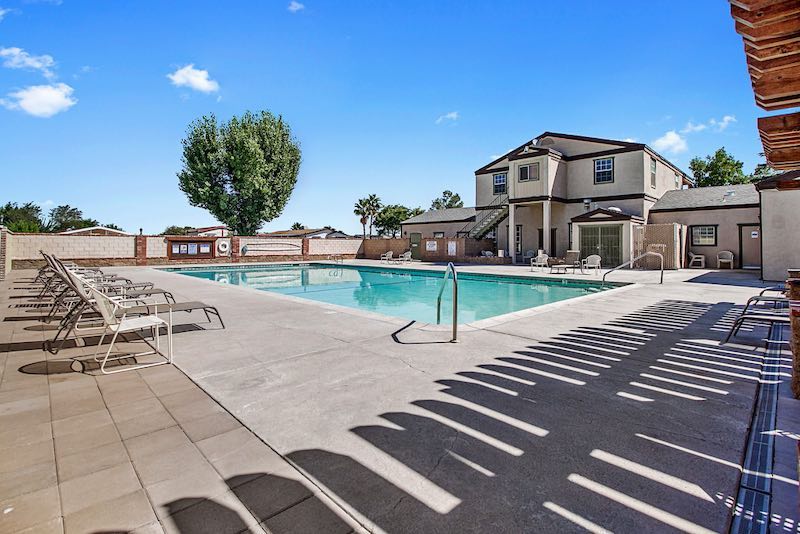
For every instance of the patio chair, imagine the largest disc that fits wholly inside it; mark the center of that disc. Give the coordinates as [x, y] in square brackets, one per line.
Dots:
[405, 257]
[592, 261]
[487, 253]
[540, 261]
[528, 256]
[697, 261]
[572, 257]
[116, 321]
[725, 257]
[387, 256]
[764, 318]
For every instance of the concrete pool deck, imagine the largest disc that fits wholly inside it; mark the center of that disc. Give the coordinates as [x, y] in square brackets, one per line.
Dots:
[620, 411]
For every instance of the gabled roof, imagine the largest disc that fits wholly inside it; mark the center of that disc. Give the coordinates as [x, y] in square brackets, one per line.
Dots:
[443, 216]
[605, 214]
[707, 197]
[299, 233]
[590, 139]
[786, 180]
[95, 229]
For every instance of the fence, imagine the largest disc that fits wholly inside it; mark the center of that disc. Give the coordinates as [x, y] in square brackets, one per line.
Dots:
[662, 238]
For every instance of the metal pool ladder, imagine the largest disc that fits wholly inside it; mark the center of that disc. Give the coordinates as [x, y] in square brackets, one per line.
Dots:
[640, 256]
[450, 269]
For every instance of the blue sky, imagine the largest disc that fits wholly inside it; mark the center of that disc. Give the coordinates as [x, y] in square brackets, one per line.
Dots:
[403, 99]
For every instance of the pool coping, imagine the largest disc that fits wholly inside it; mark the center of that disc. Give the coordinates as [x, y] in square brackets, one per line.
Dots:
[482, 324]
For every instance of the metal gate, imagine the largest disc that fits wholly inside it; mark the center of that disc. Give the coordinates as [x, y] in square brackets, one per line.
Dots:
[661, 238]
[603, 240]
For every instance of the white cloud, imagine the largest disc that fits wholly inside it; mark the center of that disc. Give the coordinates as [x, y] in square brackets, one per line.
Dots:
[295, 6]
[452, 116]
[41, 100]
[17, 58]
[193, 78]
[3, 12]
[721, 125]
[692, 127]
[671, 142]
[630, 139]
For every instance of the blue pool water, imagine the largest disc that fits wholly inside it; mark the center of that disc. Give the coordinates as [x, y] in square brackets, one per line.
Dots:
[409, 294]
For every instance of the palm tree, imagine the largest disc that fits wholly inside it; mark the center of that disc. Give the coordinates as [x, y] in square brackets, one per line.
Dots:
[373, 207]
[361, 209]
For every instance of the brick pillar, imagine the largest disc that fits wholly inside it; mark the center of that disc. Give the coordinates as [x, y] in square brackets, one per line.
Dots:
[304, 250]
[235, 248]
[141, 250]
[794, 341]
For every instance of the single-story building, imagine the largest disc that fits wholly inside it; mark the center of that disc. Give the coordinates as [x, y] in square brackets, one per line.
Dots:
[779, 203]
[308, 233]
[723, 218]
[210, 231]
[439, 223]
[95, 230]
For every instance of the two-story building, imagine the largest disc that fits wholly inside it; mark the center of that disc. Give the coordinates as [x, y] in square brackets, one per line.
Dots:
[561, 191]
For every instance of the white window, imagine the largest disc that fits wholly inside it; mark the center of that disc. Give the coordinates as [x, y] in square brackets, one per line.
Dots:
[528, 173]
[704, 235]
[438, 235]
[653, 172]
[604, 170]
[677, 181]
[499, 184]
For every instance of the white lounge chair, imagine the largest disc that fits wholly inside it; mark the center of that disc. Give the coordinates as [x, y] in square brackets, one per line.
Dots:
[697, 261]
[487, 253]
[116, 322]
[386, 256]
[725, 257]
[592, 262]
[539, 261]
[528, 256]
[405, 257]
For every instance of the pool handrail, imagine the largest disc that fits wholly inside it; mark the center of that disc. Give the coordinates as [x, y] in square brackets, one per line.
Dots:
[640, 256]
[450, 269]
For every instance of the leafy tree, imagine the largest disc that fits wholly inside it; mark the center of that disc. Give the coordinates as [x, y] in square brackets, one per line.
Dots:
[762, 171]
[390, 217]
[25, 218]
[176, 230]
[298, 226]
[242, 171]
[361, 208]
[113, 227]
[63, 218]
[447, 200]
[720, 169]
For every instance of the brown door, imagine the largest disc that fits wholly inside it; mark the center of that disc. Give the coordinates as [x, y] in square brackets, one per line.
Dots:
[750, 246]
[416, 251]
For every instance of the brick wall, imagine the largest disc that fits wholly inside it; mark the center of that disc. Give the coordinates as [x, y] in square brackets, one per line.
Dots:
[373, 248]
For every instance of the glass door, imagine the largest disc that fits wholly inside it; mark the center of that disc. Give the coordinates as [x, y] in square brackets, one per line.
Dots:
[603, 240]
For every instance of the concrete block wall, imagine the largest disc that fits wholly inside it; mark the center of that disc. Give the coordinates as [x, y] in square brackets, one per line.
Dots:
[156, 246]
[4, 259]
[260, 246]
[26, 247]
[349, 248]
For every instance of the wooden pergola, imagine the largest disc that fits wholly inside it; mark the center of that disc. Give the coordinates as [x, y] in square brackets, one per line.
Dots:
[770, 30]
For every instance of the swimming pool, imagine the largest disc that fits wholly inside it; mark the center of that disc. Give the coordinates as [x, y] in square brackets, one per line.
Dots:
[405, 293]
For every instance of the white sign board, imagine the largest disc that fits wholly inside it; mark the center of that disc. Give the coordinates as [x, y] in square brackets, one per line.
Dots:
[754, 234]
[451, 248]
[430, 246]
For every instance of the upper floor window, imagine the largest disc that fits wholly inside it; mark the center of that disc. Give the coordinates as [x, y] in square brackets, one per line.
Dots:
[677, 181]
[653, 172]
[528, 173]
[604, 170]
[499, 184]
[438, 235]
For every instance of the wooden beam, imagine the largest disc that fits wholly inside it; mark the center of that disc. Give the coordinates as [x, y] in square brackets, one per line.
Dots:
[752, 5]
[758, 67]
[787, 121]
[765, 14]
[782, 31]
[778, 84]
[778, 103]
[764, 53]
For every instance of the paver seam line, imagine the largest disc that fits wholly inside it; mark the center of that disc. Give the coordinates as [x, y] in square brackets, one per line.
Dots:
[267, 444]
[53, 438]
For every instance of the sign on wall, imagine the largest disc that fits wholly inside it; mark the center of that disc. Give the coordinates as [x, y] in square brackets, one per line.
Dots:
[754, 234]
[430, 246]
[451, 248]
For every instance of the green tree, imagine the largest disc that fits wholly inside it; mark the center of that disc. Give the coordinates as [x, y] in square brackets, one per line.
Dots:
[242, 171]
[720, 169]
[374, 205]
[176, 230]
[24, 218]
[389, 219]
[447, 200]
[361, 208]
[63, 218]
[298, 226]
[113, 227]
[762, 171]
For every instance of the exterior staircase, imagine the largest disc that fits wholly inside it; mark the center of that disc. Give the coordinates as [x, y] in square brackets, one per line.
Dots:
[486, 219]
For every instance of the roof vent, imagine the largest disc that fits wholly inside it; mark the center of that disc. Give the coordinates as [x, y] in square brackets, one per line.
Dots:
[728, 193]
[615, 209]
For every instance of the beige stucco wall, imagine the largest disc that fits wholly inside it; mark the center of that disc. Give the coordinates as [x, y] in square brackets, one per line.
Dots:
[779, 216]
[570, 147]
[27, 246]
[727, 221]
[427, 229]
[628, 177]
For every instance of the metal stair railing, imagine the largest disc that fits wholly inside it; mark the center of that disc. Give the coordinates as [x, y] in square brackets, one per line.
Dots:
[630, 262]
[497, 204]
[450, 269]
